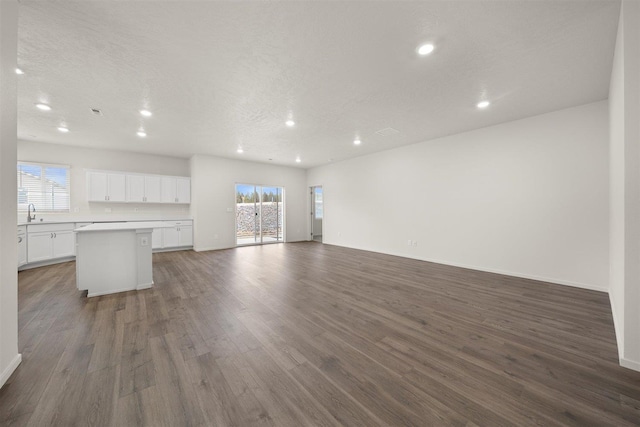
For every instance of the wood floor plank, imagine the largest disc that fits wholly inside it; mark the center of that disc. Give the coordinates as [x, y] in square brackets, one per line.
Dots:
[310, 334]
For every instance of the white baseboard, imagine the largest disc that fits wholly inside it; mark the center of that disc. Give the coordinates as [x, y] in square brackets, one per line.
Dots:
[616, 328]
[630, 364]
[10, 369]
[144, 286]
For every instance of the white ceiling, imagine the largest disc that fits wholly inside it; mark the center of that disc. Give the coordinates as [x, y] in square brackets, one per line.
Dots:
[219, 75]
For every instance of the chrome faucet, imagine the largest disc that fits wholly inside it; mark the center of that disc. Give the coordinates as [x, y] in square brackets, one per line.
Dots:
[29, 217]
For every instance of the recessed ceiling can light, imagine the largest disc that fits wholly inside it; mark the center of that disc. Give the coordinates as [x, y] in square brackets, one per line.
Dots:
[483, 104]
[43, 107]
[426, 49]
[63, 129]
[240, 150]
[298, 160]
[145, 113]
[357, 141]
[19, 71]
[290, 123]
[141, 133]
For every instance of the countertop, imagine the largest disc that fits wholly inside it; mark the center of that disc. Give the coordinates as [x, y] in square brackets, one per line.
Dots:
[101, 221]
[117, 226]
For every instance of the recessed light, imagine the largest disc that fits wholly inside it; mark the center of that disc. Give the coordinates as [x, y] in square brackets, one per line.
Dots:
[141, 133]
[240, 150]
[483, 104]
[298, 160]
[426, 49]
[290, 123]
[145, 113]
[19, 71]
[357, 141]
[43, 107]
[63, 129]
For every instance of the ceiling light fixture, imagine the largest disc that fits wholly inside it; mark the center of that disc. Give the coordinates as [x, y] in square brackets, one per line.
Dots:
[290, 123]
[240, 150]
[43, 107]
[298, 160]
[145, 113]
[63, 129]
[425, 49]
[483, 104]
[141, 133]
[19, 71]
[357, 141]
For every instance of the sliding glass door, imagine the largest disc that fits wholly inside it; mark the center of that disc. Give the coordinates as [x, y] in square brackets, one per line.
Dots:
[259, 214]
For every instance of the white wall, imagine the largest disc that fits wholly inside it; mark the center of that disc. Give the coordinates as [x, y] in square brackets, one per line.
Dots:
[624, 103]
[9, 357]
[527, 198]
[213, 182]
[86, 158]
[616, 183]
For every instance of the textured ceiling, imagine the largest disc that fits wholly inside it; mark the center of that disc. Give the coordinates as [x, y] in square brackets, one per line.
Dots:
[219, 75]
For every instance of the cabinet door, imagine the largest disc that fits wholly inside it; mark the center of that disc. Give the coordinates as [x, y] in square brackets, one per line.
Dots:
[168, 189]
[39, 246]
[135, 188]
[170, 237]
[97, 187]
[117, 187]
[63, 244]
[186, 235]
[22, 249]
[156, 238]
[152, 189]
[183, 190]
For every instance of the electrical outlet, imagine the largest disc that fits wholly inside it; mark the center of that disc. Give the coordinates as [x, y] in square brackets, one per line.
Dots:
[136, 209]
[76, 210]
[409, 242]
[230, 210]
[107, 210]
[144, 241]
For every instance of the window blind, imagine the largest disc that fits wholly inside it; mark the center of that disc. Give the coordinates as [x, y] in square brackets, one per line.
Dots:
[46, 186]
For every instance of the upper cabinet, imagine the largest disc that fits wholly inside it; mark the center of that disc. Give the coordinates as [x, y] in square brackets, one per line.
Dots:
[144, 189]
[176, 189]
[106, 186]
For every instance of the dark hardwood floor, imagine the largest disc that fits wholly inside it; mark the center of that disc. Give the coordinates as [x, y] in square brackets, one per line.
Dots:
[308, 334]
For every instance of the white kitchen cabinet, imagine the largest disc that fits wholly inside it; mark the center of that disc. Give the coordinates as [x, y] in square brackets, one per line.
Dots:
[144, 189]
[176, 189]
[178, 236]
[106, 186]
[22, 246]
[49, 241]
[156, 238]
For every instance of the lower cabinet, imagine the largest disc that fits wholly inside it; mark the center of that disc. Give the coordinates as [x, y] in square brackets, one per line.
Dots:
[178, 236]
[22, 246]
[49, 244]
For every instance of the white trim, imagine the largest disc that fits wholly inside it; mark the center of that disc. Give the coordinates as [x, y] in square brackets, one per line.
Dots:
[630, 364]
[98, 294]
[490, 270]
[144, 286]
[616, 328]
[10, 369]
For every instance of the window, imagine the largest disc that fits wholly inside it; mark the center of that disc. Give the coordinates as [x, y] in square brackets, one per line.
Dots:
[317, 191]
[46, 186]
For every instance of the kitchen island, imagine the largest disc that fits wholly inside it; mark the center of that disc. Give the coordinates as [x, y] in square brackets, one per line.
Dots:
[115, 257]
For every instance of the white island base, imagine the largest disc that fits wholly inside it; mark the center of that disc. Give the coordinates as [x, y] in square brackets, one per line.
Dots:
[114, 257]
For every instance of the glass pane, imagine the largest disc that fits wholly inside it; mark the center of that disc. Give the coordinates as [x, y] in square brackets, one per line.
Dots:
[318, 202]
[247, 215]
[271, 214]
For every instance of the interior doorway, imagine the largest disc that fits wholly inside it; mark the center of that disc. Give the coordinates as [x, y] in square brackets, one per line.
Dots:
[259, 214]
[317, 213]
